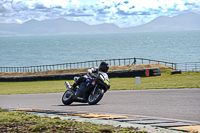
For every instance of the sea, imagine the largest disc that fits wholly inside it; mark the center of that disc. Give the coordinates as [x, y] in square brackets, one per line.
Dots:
[176, 47]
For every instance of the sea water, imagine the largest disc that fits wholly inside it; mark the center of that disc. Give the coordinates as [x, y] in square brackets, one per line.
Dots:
[177, 47]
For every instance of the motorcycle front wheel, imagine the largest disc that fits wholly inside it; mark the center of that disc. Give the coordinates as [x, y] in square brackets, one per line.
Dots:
[96, 97]
[67, 98]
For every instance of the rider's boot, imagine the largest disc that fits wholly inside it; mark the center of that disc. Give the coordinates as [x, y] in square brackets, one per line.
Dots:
[74, 87]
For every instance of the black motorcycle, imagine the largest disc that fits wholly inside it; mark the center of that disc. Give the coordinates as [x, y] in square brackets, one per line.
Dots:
[97, 86]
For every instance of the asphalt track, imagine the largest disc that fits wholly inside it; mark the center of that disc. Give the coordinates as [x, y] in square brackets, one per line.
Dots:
[181, 104]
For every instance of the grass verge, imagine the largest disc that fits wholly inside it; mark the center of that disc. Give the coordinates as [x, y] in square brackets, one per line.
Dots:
[24, 122]
[166, 80]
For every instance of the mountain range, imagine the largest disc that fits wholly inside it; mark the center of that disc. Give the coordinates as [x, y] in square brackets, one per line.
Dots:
[181, 22]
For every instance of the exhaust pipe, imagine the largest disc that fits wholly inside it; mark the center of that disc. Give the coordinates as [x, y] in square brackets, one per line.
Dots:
[67, 85]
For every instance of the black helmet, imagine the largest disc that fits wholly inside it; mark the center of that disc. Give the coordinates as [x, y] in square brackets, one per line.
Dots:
[104, 67]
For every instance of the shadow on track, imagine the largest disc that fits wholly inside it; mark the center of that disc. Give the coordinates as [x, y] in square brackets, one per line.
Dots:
[77, 105]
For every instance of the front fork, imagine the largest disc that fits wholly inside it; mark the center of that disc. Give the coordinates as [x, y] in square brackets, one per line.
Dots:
[94, 91]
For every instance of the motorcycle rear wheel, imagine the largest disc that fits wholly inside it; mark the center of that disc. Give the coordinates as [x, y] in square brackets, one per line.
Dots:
[95, 98]
[67, 98]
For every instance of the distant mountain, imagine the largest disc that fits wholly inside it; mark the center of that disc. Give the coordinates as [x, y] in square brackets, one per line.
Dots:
[55, 27]
[186, 21]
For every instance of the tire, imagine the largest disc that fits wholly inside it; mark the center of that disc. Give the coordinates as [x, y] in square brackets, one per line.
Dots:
[67, 98]
[176, 72]
[94, 99]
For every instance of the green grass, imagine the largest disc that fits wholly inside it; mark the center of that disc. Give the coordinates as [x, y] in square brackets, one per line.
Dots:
[166, 80]
[25, 122]
[32, 87]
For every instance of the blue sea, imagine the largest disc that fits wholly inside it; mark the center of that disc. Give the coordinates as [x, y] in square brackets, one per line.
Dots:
[177, 47]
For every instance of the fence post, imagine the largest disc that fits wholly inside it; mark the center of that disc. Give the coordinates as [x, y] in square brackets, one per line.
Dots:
[195, 66]
[186, 67]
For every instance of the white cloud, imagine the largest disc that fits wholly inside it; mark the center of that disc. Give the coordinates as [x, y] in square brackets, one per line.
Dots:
[121, 12]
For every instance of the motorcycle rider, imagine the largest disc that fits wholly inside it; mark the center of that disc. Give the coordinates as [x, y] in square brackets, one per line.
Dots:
[100, 72]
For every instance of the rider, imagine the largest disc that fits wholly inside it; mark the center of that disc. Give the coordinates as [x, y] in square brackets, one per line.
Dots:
[93, 72]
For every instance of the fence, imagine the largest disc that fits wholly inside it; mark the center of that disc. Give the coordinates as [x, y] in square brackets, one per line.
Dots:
[189, 66]
[112, 62]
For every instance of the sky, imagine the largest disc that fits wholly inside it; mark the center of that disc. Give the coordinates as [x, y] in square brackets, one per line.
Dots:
[123, 13]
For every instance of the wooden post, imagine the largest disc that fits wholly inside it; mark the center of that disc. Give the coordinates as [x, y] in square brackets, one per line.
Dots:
[175, 65]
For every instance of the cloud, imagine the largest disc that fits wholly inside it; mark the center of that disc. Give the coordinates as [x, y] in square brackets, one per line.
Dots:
[123, 13]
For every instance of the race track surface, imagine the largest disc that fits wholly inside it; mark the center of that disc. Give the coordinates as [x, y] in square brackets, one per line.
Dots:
[182, 104]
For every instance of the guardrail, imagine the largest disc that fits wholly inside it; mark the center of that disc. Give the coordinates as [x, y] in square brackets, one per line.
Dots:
[112, 62]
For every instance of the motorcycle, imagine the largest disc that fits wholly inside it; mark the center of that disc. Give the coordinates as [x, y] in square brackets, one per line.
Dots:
[96, 89]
